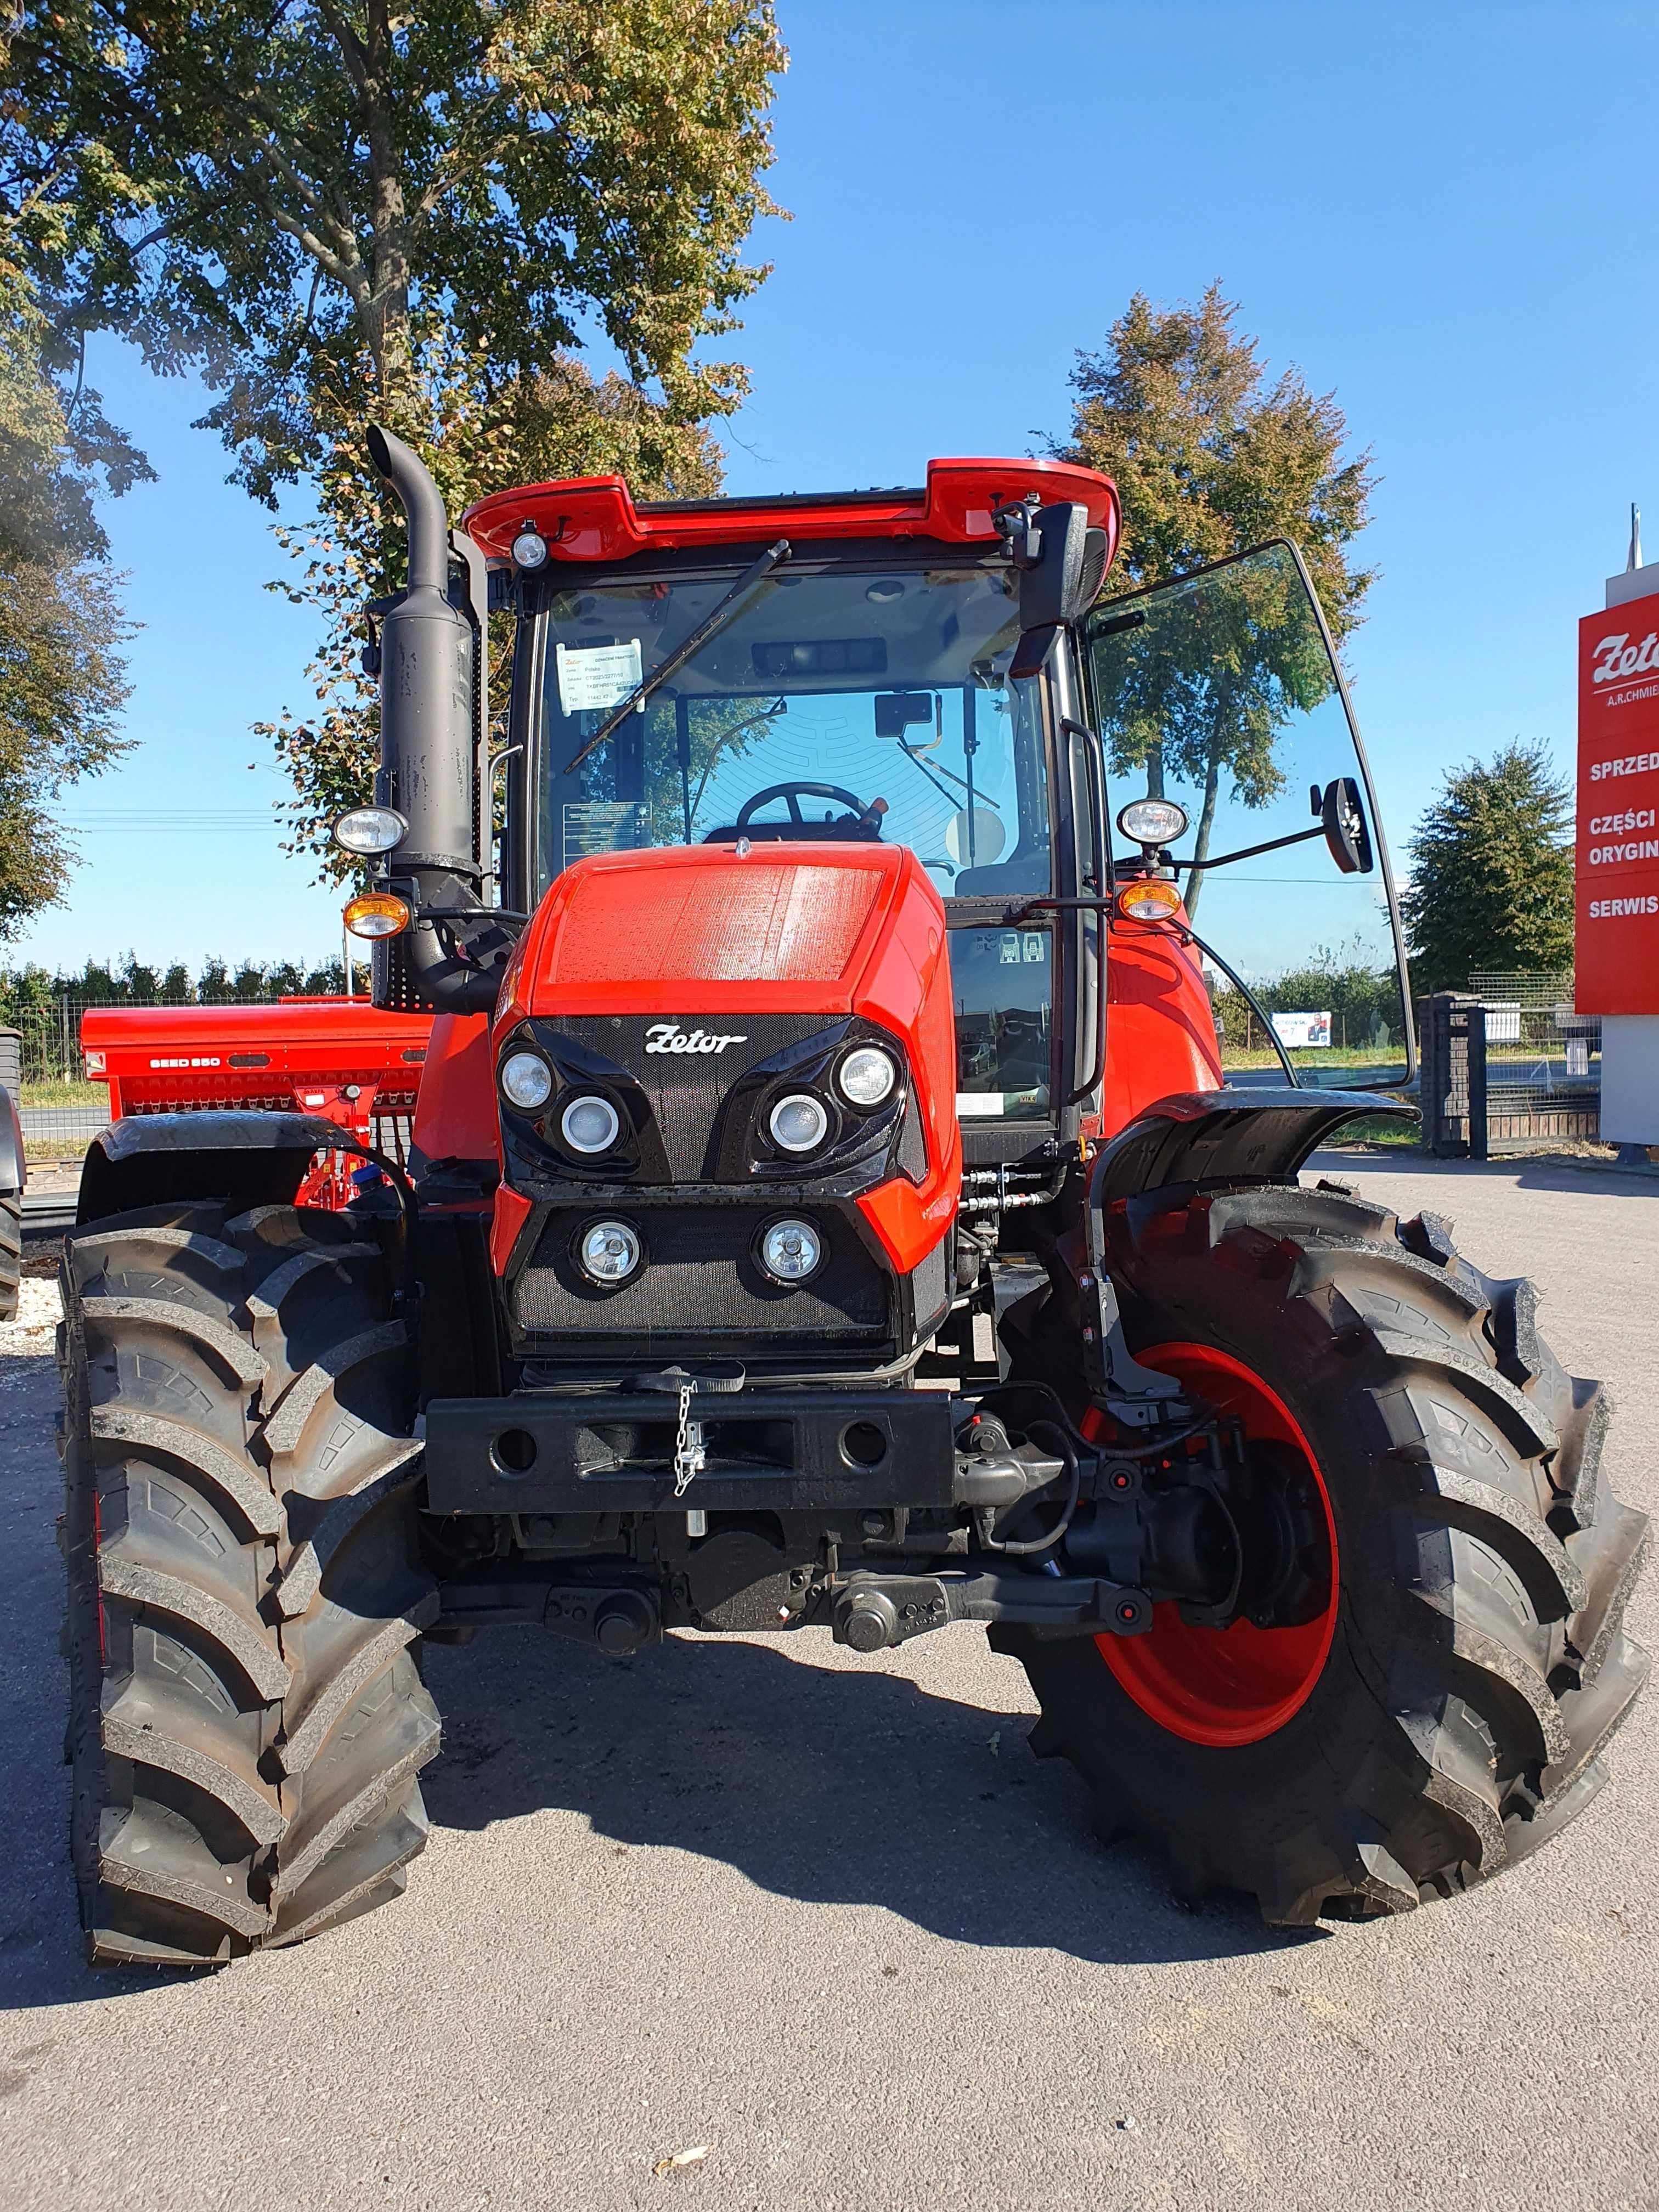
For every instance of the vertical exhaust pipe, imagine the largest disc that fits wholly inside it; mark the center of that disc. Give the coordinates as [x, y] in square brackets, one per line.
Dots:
[429, 742]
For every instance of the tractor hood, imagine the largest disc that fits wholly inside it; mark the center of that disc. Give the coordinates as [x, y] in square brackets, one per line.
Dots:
[708, 955]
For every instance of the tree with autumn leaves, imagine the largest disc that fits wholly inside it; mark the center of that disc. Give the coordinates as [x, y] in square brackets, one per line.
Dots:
[337, 212]
[1211, 456]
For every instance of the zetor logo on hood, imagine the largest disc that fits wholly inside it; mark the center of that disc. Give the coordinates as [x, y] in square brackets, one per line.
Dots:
[669, 1036]
[1616, 658]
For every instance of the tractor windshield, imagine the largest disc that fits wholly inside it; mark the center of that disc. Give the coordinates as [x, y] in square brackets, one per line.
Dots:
[1219, 692]
[843, 701]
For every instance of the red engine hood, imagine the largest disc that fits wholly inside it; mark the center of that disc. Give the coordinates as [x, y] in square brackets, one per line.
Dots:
[696, 932]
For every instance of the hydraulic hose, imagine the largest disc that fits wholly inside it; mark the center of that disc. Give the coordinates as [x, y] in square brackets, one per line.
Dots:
[1047, 1432]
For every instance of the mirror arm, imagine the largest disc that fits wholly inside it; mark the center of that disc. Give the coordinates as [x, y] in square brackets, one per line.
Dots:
[1249, 852]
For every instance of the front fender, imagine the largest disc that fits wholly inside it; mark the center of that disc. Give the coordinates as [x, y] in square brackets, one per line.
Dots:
[243, 1159]
[14, 1167]
[1237, 1134]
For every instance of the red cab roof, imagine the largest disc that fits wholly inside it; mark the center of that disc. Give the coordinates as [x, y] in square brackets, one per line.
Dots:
[596, 519]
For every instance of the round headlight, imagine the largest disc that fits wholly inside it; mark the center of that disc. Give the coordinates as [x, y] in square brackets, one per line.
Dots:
[526, 1080]
[1153, 820]
[1149, 899]
[609, 1252]
[798, 1122]
[590, 1125]
[367, 830]
[866, 1077]
[790, 1251]
[529, 549]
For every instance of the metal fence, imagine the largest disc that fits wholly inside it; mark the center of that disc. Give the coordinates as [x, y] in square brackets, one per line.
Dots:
[1510, 1064]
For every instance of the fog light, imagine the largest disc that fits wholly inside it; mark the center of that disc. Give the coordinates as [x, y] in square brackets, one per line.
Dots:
[867, 1076]
[529, 549]
[526, 1080]
[609, 1252]
[798, 1122]
[1149, 899]
[369, 830]
[790, 1251]
[590, 1125]
[376, 913]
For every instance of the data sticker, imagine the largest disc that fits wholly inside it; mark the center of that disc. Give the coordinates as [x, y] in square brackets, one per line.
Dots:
[604, 826]
[594, 678]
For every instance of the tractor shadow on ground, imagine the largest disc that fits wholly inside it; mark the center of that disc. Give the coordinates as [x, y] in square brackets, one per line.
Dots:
[832, 1785]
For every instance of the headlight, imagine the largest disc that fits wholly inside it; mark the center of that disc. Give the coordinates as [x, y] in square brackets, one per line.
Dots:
[1153, 820]
[798, 1122]
[367, 830]
[376, 913]
[1149, 899]
[790, 1251]
[866, 1077]
[609, 1252]
[529, 549]
[590, 1125]
[526, 1080]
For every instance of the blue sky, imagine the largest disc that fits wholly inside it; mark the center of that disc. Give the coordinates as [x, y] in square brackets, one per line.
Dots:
[1445, 214]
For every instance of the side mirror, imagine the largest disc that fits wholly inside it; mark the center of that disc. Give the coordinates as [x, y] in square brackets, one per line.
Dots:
[1062, 562]
[1342, 815]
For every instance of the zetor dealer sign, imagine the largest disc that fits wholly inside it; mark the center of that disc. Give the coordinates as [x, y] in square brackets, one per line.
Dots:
[1618, 854]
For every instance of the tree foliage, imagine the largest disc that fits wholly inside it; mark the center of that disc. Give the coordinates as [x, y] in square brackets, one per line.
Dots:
[1210, 458]
[62, 684]
[1491, 872]
[337, 212]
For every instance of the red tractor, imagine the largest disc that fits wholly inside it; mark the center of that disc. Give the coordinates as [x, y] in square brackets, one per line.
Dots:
[845, 1192]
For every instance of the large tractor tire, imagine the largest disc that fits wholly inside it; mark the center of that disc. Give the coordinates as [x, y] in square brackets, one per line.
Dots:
[1440, 1711]
[11, 1251]
[246, 1713]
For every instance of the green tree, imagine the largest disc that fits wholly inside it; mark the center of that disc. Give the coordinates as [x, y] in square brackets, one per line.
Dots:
[1210, 457]
[62, 680]
[1491, 872]
[335, 211]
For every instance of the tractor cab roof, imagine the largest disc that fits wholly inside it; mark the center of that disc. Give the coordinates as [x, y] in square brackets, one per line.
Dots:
[597, 518]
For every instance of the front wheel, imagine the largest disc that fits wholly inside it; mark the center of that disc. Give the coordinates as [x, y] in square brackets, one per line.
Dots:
[1439, 1709]
[245, 1595]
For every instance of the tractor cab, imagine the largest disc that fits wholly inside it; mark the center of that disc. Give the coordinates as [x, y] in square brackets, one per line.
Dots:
[849, 670]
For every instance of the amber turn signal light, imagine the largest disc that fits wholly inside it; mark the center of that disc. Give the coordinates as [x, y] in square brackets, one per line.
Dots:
[1149, 899]
[377, 914]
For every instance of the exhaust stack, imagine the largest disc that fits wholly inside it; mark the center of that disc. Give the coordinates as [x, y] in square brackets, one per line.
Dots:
[433, 671]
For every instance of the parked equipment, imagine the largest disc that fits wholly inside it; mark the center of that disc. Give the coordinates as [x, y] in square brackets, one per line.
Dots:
[343, 1059]
[825, 1209]
[14, 1172]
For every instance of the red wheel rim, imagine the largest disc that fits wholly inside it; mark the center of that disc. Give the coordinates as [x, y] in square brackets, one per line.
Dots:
[1226, 1685]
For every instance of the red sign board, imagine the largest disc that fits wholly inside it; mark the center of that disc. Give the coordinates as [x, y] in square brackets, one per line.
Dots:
[1617, 965]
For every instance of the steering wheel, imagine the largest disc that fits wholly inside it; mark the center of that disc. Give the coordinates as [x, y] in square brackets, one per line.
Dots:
[793, 793]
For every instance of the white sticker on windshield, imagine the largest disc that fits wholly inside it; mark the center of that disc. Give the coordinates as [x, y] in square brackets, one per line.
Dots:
[596, 677]
[980, 1104]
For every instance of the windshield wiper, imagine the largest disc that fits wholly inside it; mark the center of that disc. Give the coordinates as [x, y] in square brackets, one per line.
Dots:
[714, 621]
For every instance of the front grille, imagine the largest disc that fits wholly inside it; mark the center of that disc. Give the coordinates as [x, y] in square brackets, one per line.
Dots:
[700, 1286]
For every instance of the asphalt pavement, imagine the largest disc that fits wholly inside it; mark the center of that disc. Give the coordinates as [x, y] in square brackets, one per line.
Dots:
[825, 1919]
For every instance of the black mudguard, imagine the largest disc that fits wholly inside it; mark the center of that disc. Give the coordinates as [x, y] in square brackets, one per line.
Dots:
[242, 1159]
[14, 1169]
[1238, 1134]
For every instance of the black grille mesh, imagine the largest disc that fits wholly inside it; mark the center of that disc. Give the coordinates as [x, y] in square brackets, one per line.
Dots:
[700, 1282]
